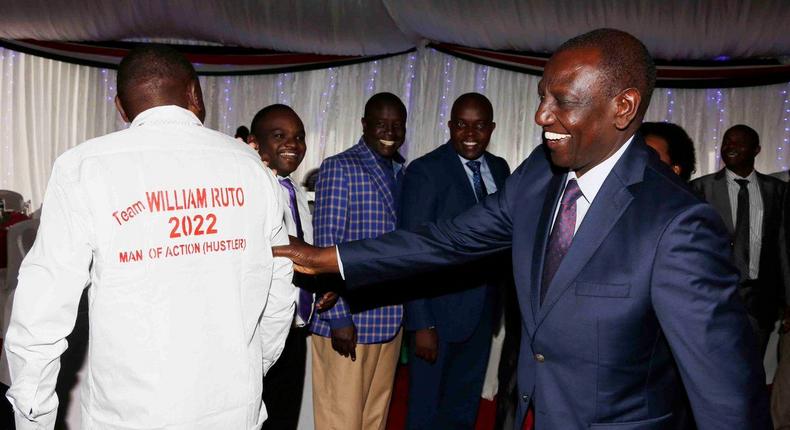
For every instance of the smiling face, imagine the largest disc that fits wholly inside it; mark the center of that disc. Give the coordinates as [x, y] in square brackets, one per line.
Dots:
[384, 129]
[582, 125]
[471, 126]
[738, 151]
[280, 138]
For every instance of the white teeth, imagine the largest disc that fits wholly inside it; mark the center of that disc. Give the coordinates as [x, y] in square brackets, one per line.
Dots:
[288, 154]
[387, 142]
[470, 143]
[554, 136]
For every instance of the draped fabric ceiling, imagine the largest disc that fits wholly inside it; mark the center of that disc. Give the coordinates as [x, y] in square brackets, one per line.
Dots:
[672, 29]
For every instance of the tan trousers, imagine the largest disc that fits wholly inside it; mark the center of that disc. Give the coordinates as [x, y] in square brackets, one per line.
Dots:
[780, 394]
[353, 395]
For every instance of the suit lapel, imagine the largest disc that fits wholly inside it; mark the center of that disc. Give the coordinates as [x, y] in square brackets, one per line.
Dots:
[720, 199]
[497, 172]
[458, 172]
[369, 164]
[768, 202]
[610, 203]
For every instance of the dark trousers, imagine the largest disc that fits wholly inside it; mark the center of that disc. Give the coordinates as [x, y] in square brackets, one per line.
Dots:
[446, 394]
[284, 383]
[6, 410]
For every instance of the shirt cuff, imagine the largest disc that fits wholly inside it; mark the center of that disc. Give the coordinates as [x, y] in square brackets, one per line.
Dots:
[341, 322]
[340, 263]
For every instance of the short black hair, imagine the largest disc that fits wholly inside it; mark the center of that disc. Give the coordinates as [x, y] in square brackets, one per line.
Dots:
[381, 99]
[152, 65]
[242, 131]
[263, 113]
[750, 133]
[464, 98]
[680, 145]
[625, 61]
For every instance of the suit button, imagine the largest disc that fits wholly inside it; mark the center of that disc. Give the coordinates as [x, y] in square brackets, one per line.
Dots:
[525, 398]
[540, 358]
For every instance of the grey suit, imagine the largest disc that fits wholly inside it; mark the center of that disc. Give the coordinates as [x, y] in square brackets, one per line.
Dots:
[764, 296]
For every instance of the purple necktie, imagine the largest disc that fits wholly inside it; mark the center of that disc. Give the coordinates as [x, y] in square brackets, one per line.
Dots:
[561, 235]
[305, 307]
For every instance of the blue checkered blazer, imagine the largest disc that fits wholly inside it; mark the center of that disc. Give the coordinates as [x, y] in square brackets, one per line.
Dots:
[352, 202]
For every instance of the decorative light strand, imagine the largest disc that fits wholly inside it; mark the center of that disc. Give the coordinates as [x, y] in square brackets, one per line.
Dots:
[7, 59]
[327, 95]
[444, 104]
[481, 79]
[670, 105]
[370, 87]
[781, 160]
[228, 106]
[407, 94]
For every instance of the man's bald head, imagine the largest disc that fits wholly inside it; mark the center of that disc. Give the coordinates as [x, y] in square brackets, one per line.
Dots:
[473, 99]
[156, 75]
[625, 62]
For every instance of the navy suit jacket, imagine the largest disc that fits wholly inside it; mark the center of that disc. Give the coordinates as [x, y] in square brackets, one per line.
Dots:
[642, 308]
[436, 187]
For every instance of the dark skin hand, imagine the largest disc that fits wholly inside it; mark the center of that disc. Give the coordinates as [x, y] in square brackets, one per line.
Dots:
[308, 259]
[344, 341]
[326, 302]
[426, 344]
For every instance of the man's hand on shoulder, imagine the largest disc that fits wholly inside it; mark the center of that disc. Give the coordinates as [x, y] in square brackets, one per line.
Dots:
[426, 344]
[308, 259]
[344, 341]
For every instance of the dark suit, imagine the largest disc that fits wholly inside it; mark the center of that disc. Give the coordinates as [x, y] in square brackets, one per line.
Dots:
[642, 307]
[445, 394]
[764, 296]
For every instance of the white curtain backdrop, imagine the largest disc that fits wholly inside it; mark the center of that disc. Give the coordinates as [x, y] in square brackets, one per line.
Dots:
[47, 107]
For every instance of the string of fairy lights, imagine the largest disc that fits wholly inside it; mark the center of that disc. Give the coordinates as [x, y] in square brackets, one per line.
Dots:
[716, 114]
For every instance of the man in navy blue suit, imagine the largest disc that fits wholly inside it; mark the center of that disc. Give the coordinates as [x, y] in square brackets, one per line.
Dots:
[453, 329]
[624, 278]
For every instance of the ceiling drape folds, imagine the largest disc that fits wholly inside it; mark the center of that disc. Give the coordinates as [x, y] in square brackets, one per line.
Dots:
[672, 29]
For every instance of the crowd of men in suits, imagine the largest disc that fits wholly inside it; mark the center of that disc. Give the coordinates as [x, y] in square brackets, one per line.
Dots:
[635, 305]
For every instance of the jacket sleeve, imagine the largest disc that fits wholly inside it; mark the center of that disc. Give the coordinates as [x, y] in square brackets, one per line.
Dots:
[693, 291]
[329, 224]
[417, 206]
[279, 310]
[51, 280]
[482, 230]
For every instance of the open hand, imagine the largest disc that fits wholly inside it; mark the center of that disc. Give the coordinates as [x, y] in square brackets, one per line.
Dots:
[308, 259]
[344, 341]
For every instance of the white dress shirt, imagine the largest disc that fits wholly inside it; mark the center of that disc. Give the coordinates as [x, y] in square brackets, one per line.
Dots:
[590, 183]
[176, 223]
[307, 225]
[755, 216]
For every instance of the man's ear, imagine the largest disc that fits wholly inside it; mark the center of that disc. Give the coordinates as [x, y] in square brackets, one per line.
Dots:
[627, 105]
[757, 151]
[195, 99]
[252, 142]
[676, 169]
[120, 110]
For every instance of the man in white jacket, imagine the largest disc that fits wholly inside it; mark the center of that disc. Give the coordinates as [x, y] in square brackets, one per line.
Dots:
[172, 225]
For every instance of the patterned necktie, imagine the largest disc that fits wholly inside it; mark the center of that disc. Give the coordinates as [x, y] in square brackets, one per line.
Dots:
[742, 236]
[561, 235]
[477, 180]
[305, 307]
